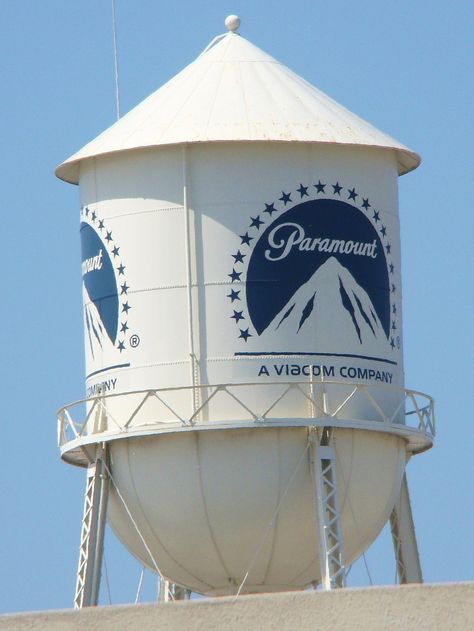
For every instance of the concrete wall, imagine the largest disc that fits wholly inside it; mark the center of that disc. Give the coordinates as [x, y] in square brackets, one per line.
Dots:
[408, 608]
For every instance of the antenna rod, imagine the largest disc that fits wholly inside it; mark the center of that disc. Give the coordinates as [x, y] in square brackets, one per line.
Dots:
[117, 90]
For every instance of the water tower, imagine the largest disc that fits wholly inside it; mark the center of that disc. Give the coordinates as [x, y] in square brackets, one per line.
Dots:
[246, 426]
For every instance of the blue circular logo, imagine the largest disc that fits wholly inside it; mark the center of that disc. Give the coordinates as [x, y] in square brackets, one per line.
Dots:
[100, 285]
[106, 302]
[319, 251]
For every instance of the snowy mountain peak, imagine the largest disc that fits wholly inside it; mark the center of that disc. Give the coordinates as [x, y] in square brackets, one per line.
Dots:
[331, 292]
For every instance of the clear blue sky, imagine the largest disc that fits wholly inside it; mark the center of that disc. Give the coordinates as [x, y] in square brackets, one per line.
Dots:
[406, 67]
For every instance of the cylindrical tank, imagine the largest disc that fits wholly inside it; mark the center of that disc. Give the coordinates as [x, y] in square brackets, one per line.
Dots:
[239, 229]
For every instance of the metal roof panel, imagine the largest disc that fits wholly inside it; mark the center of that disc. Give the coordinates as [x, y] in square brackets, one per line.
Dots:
[235, 92]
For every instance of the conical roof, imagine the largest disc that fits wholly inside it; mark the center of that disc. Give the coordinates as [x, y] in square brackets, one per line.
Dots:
[235, 92]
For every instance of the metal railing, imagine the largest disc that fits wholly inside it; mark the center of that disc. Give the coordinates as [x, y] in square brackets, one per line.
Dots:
[334, 403]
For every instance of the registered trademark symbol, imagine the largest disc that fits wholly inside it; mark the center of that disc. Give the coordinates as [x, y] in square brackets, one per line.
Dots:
[134, 341]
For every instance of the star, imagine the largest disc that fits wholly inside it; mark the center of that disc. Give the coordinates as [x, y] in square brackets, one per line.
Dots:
[285, 197]
[365, 203]
[235, 275]
[234, 295]
[256, 222]
[101, 224]
[388, 247]
[337, 188]
[126, 307]
[376, 216]
[244, 334]
[121, 269]
[245, 238]
[108, 236]
[392, 267]
[269, 208]
[115, 251]
[320, 186]
[303, 190]
[121, 346]
[352, 194]
[392, 343]
[239, 257]
[94, 215]
[383, 230]
[124, 288]
[394, 327]
[394, 309]
[238, 316]
[87, 211]
[393, 288]
[124, 328]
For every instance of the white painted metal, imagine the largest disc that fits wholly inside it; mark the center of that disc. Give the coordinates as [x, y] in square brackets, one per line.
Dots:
[164, 590]
[236, 92]
[92, 534]
[151, 461]
[190, 257]
[232, 23]
[404, 539]
[168, 591]
[137, 199]
[328, 514]
[237, 165]
[206, 526]
[181, 593]
[150, 412]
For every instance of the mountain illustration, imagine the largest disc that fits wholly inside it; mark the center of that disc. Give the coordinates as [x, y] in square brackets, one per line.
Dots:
[100, 286]
[331, 300]
[97, 338]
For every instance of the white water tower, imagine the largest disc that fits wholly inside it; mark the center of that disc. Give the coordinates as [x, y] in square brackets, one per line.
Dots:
[245, 400]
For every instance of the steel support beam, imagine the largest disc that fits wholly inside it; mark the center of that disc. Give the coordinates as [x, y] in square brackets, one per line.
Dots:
[181, 593]
[168, 591]
[193, 305]
[328, 518]
[404, 539]
[92, 533]
[164, 590]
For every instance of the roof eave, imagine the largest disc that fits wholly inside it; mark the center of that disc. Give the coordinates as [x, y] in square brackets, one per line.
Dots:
[69, 171]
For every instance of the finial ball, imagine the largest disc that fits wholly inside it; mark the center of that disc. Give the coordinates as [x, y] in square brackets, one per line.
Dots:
[232, 23]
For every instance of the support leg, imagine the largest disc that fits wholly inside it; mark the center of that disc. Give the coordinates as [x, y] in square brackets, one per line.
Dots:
[181, 593]
[404, 539]
[168, 591]
[164, 590]
[92, 534]
[323, 470]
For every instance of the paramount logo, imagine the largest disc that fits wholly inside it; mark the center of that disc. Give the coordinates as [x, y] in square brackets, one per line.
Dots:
[282, 241]
[93, 263]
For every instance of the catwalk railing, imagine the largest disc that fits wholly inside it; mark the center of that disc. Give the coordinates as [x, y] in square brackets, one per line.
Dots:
[322, 403]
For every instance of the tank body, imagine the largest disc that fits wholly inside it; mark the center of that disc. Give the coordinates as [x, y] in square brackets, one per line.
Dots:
[205, 498]
[241, 284]
[214, 505]
[274, 295]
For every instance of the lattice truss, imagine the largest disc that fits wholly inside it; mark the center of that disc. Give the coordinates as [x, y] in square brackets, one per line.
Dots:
[331, 549]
